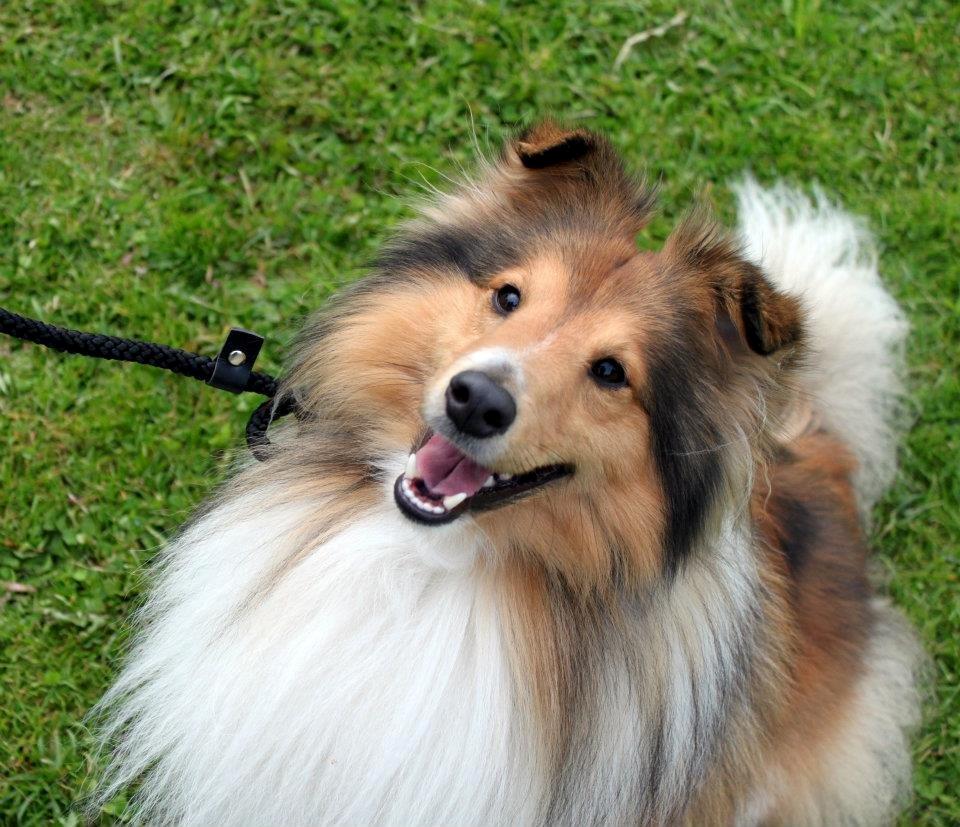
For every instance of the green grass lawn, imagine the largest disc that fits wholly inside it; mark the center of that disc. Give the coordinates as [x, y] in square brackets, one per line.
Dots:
[168, 170]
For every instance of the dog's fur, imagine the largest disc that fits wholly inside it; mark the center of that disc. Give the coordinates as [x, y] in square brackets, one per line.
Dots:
[681, 631]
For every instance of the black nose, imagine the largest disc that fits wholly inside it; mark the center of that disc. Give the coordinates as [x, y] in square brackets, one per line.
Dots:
[478, 406]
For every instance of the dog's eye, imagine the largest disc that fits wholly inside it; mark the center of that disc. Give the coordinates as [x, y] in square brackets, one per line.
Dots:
[609, 373]
[506, 299]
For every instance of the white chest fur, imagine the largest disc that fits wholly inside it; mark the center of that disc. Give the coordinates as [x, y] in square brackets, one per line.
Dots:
[366, 679]
[361, 681]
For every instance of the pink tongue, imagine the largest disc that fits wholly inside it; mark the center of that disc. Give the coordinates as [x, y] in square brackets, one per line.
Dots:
[446, 470]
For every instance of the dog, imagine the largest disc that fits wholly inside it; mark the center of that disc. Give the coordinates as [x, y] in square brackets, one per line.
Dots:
[569, 532]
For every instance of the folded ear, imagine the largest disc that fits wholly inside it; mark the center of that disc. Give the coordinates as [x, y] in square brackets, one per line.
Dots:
[766, 319]
[547, 144]
[771, 320]
[552, 165]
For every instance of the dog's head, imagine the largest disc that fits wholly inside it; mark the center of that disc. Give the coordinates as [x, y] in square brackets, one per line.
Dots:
[584, 401]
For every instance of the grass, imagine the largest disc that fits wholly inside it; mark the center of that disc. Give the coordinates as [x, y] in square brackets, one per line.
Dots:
[168, 170]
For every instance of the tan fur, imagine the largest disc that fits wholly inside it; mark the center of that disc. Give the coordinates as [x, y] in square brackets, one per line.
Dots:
[828, 619]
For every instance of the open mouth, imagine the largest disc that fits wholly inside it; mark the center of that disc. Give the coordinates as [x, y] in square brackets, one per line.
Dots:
[441, 482]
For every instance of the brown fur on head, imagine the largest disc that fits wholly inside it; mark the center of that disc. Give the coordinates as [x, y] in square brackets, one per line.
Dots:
[706, 342]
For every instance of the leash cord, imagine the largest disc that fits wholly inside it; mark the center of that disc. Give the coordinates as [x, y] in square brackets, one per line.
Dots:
[232, 370]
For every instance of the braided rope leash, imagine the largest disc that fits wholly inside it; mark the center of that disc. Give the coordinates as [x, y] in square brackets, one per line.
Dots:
[232, 370]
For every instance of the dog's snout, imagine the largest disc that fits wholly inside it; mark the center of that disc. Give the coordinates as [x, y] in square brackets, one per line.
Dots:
[478, 406]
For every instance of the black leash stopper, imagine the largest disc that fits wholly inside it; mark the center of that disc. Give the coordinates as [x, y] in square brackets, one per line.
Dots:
[236, 359]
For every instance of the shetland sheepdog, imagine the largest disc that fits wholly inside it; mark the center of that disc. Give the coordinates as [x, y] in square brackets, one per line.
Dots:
[570, 532]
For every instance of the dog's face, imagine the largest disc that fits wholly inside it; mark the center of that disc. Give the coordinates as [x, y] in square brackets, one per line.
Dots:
[572, 394]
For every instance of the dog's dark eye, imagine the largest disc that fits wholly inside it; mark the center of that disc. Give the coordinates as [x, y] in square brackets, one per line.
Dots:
[609, 373]
[506, 299]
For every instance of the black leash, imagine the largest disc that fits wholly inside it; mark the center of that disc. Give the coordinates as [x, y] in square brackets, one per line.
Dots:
[232, 370]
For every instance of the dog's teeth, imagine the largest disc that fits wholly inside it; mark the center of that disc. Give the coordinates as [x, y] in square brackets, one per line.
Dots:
[453, 501]
[411, 466]
[506, 477]
[489, 483]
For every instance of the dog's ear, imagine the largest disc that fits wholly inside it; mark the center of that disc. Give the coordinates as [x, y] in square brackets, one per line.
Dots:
[763, 318]
[550, 164]
[548, 144]
[771, 319]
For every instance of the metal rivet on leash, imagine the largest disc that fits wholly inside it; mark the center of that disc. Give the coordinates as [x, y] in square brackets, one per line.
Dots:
[232, 370]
